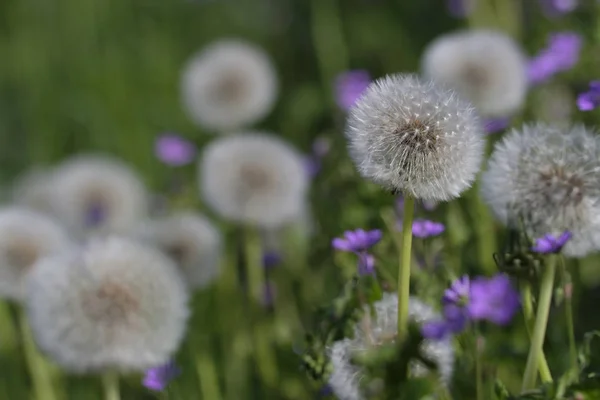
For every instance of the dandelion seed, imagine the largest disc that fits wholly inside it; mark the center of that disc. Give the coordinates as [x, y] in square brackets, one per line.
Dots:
[231, 84]
[115, 304]
[486, 66]
[415, 137]
[548, 178]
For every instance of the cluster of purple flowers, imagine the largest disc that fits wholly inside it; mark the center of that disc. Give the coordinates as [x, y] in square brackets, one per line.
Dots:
[561, 54]
[359, 242]
[423, 228]
[589, 99]
[491, 299]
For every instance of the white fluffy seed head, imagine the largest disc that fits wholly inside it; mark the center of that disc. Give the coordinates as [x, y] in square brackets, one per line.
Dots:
[416, 137]
[116, 304]
[253, 178]
[229, 85]
[487, 67]
[549, 178]
[191, 241]
[95, 194]
[25, 237]
[346, 377]
[33, 190]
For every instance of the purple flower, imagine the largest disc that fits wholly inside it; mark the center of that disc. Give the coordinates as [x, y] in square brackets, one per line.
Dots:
[589, 100]
[423, 228]
[494, 125]
[494, 299]
[460, 8]
[561, 54]
[551, 244]
[435, 329]
[357, 240]
[458, 292]
[349, 86]
[158, 378]
[173, 150]
[312, 162]
[554, 8]
[321, 147]
[271, 259]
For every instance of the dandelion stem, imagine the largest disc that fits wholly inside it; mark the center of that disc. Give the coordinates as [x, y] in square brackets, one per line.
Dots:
[545, 373]
[569, 316]
[541, 321]
[404, 268]
[110, 383]
[40, 374]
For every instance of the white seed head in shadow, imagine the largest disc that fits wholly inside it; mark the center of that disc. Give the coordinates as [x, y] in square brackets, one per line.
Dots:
[95, 194]
[26, 236]
[345, 380]
[115, 304]
[229, 85]
[548, 177]
[415, 137]
[486, 66]
[253, 178]
[191, 241]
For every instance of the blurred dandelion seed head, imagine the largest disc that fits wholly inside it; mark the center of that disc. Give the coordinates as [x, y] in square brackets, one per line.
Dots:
[416, 137]
[96, 194]
[113, 304]
[345, 378]
[25, 237]
[254, 177]
[486, 66]
[33, 188]
[230, 84]
[549, 177]
[190, 240]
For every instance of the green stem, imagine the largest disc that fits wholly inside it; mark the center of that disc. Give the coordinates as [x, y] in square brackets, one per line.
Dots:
[569, 317]
[541, 321]
[486, 237]
[478, 369]
[404, 267]
[110, 383]
[40, 374]
[209, 381]
[544, 369]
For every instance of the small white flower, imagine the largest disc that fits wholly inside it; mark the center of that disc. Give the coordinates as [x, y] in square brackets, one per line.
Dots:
[25, 237]
[371, 332]
[229, 85]
[97, 194]
[486, 66]
[254, 178]
[192, 241]
[115, 304]
[415, 137]
[550, 178]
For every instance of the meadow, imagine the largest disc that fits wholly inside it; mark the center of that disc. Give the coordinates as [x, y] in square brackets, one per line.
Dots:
[170, 232]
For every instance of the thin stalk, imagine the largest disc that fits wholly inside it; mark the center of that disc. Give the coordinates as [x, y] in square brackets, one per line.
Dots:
[110, 383]
[569, 316]
[404, 267]
[541, 321]
[207, 373]
[478, 369]
[40, 374]
[544, 369]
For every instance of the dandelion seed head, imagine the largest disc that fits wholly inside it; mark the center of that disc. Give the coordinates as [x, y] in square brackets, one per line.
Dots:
[416, 137]
[486, 66]
[254, 178]
[228, 85]
[345, 378]
[550, 178]
[115, 304]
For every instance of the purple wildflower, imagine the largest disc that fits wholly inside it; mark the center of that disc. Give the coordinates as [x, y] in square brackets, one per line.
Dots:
[349, 86]
[561, 54]
[494, 299]
[271, 259]
[589, 100]
[321, 147]
[173, 150]
[312, 165]
[460, 8]
[312, 162]
[551, 244]
[158, 378]
[496, 124]
[359, 241]
[555, 8]
[423, 228]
